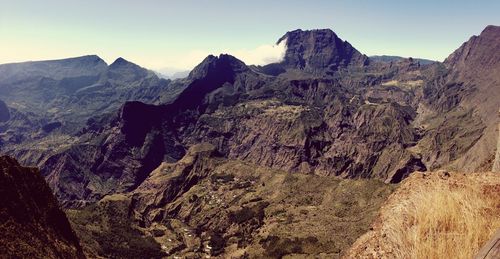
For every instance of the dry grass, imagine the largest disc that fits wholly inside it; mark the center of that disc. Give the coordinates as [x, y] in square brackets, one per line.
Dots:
[440, 217]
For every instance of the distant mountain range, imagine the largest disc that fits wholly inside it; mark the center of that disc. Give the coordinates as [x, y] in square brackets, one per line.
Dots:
[172, 73]
[385, 58]
[120, 138]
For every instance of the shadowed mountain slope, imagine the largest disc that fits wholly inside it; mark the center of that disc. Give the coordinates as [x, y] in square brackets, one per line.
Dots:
[31, 223]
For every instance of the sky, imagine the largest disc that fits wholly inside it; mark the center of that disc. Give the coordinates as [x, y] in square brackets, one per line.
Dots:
[173, 35]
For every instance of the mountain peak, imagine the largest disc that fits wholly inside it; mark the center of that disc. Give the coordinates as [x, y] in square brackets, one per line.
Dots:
[125, 70]
[291, 35]
[319, 50]
[214, 64]
[478, 53]
[491, 29]
[119, 62]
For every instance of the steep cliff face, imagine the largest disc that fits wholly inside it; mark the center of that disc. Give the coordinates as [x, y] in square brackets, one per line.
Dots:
[337, 139]
[478, 54]
[31, 222]
[475, 85]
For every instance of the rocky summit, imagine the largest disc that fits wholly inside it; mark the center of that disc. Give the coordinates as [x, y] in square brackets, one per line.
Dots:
[319, 51]
[291, 158]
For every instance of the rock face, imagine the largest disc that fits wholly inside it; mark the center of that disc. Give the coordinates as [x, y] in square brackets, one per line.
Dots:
[319, 50]
[31, 222]
[479, 53]
[474, 72]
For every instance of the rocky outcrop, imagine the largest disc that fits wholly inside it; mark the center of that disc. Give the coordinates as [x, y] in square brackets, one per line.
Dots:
[195, 166]
[410, 223]
[31, 222]
[318, 51]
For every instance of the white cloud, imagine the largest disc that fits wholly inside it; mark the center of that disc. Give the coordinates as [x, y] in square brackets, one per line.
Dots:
[261, 55]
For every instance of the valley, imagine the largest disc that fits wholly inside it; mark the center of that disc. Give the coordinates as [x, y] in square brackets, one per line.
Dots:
[300, 158]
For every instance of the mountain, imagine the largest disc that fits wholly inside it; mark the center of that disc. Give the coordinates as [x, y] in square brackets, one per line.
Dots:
[377, 120]
[56, 69]
[32, 224]
[219, 161]
[322, 126]
[49, 102]
[319, 50]
[109, 156]
[479, 53]
[386, 58]
[472, 86]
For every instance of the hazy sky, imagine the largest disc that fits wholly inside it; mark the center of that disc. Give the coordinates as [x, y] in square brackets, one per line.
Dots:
[179, 34]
